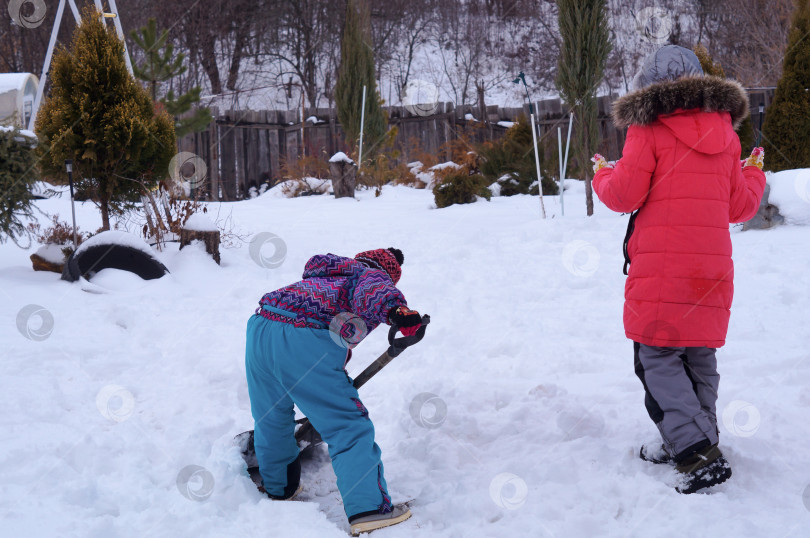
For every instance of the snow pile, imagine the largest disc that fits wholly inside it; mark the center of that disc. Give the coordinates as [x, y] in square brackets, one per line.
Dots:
[518, 415]
[198, 222]
[293, 188]
[115, 237]
[790, 192]
[341, 157]
[51, 253]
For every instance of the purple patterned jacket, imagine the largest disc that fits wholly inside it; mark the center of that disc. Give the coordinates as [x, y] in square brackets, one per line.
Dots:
[331, 285]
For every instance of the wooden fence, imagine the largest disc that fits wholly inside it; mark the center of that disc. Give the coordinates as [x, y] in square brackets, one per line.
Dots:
[244, 149]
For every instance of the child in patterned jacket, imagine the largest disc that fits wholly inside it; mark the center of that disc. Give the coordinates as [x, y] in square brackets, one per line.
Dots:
[298, 343]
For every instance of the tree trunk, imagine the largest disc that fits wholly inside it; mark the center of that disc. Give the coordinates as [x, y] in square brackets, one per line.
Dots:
[344, 178]
[104, 203]
[211, 240]
[588, 196]
[208, 59]
[236, 59]
[584, 160]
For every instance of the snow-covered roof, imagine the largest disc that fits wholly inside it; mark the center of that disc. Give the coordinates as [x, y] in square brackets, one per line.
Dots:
[14, 81]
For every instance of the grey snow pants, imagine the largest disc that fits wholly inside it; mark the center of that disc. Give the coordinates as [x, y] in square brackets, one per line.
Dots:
[681, 391]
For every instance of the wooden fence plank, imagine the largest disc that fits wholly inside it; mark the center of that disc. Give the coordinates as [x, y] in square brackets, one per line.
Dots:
[245, 148]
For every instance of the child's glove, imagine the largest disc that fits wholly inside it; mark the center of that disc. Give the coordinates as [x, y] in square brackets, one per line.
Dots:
[406, 319]
[757, 158]
[599, 162]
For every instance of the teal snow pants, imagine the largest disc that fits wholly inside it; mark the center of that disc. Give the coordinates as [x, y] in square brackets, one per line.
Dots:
[289, 365]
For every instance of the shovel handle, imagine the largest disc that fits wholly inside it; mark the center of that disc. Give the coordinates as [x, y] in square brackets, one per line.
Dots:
[396, 346]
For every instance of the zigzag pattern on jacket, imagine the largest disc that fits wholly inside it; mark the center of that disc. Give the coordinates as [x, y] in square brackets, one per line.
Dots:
[333, 284]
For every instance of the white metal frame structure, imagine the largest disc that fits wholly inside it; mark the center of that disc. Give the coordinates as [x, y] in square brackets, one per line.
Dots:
[52, 44]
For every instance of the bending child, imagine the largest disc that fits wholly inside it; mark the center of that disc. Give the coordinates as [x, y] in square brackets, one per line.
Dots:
[292, 357]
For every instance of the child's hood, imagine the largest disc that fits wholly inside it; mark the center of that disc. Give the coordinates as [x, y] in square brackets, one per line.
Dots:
[675, 103]
[332, 265]
[705, 132]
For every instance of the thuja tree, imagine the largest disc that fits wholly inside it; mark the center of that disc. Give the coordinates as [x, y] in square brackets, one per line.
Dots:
[357, 70]
[580, 69]
[99, 116]
[786, 133]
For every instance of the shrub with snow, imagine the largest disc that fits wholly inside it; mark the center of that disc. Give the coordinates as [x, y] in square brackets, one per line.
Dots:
[461, 188]
[510, 162]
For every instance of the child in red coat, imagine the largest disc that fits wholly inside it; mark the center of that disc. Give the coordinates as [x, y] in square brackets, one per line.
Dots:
[680, 170]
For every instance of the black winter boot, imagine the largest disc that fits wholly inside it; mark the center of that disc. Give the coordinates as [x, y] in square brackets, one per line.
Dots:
[707, 467]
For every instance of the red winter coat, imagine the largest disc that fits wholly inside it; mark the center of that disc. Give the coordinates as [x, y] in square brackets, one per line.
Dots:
[681, 168]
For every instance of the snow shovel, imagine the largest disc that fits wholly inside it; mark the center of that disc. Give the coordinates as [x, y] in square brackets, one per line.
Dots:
[306, 433]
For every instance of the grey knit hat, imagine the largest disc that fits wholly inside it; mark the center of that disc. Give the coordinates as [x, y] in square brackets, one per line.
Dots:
[670, 62]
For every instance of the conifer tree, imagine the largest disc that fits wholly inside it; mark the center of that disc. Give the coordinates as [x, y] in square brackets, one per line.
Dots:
[580, 70]
[746, 129]
[356, 70]
[99, 116]
[786, 133]
[161, 64]
[17, 177]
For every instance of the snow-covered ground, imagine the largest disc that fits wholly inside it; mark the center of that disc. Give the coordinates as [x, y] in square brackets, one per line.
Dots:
[518, 415]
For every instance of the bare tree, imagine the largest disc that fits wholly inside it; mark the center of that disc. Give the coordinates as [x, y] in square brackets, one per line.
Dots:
[303, 42]
[750, 40]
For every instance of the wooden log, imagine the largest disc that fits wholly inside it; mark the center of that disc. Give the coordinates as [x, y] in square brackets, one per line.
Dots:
[210, 238]
[41, 264]
[344, 178]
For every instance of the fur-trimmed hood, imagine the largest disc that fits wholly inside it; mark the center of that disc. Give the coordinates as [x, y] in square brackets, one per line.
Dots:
[708, 93]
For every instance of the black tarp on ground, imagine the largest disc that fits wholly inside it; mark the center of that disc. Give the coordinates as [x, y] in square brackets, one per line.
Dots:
[93, 259]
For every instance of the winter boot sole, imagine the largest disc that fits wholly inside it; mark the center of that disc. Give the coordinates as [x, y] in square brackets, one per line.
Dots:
[368, 526]
[708, 468]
